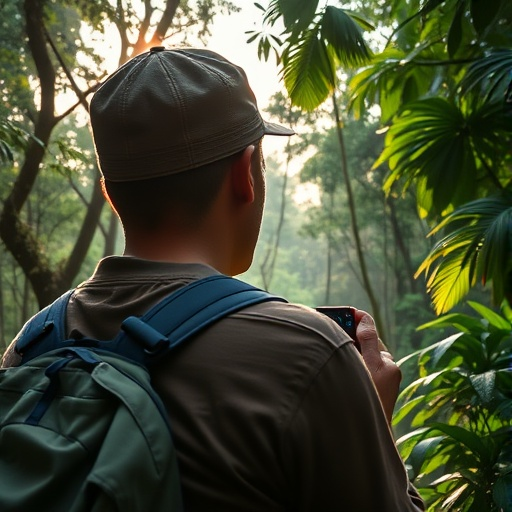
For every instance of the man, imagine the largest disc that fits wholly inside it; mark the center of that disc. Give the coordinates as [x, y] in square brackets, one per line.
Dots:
[272, 408]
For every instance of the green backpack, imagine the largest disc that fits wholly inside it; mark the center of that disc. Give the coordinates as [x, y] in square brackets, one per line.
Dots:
[81, 428]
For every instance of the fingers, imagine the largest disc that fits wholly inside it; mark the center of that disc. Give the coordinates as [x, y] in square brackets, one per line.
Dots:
[384, 372]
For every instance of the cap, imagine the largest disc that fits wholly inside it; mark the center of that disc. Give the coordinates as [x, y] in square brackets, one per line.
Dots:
[168, 111]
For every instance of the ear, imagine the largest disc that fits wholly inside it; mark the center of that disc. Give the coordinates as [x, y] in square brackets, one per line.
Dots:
[242, 180]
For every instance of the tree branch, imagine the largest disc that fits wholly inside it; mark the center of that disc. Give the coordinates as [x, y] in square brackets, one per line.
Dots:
[165, 22]
[81, 96]
[442, 62]
[75, 105]
[85, 236]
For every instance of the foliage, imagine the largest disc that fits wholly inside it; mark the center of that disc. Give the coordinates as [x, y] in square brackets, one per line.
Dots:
[478, 247]
[452, 152]
[13, 138]
[443, 84]
[313, 44]
[460, 408]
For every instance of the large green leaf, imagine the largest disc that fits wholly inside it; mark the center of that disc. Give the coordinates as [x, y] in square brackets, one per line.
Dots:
[407, 442]
[484, 385]
[407, 408]
[470, 440]
[345, 36]
[297, 14]
[483, 13]
[478, 247]
[422, 452]
[491, 316]
[502, 492]
[490, 74]
[309, 71]
[455, 32]
[460, 321]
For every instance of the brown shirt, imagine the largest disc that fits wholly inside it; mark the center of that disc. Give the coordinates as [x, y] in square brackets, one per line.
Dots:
[272, 408]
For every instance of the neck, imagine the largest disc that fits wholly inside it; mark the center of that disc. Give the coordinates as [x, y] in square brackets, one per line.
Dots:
[212, 248]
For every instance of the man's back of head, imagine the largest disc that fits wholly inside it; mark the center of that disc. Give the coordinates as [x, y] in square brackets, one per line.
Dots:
[170, 129]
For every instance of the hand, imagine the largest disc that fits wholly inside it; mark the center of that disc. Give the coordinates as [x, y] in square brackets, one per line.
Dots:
[385, 373]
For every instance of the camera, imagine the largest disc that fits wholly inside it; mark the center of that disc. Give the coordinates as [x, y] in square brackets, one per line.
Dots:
[344, 316]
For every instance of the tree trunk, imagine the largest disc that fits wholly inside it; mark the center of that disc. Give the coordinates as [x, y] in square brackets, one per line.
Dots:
[17, 235]
[269, 261]
[85, 237]
[354, 224]
[402, 247]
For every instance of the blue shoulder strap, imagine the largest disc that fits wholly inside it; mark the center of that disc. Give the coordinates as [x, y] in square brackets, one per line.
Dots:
[44, 331]
[165, 326]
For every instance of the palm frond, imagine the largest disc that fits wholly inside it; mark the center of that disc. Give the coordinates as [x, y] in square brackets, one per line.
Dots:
[344, 34]
[490, 75]
[309, 71]
[391, 80]
[297, 15]
[449, 146]
[477, 246]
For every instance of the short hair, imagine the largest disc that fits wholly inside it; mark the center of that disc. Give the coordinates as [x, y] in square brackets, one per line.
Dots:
[146, 204]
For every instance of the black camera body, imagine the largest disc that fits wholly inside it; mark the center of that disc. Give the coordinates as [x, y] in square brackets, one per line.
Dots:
[344, 316]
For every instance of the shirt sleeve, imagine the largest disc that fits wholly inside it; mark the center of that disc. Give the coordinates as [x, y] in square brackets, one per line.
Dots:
[338, 449]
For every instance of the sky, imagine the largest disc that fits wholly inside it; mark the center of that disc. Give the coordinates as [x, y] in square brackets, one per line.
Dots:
[229, 39]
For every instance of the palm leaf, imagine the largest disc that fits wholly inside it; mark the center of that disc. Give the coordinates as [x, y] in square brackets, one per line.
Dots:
[391, 80]
[345, 36]
[316, 44]
[496, 252]
[443, 147]
[478, 247]
[309, 71]
[297, 14]
[379, 83]
[449, 282]
[490, 75]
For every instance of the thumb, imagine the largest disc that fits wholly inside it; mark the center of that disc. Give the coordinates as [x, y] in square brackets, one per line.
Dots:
[366, 332]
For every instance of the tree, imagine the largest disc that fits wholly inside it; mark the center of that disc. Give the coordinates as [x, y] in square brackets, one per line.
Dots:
[57, 61]
[283, 111]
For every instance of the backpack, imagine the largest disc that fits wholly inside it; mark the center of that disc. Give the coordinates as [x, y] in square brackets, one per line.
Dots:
[81, 428]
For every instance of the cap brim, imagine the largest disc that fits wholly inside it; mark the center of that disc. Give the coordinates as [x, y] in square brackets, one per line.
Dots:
[277, 129]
